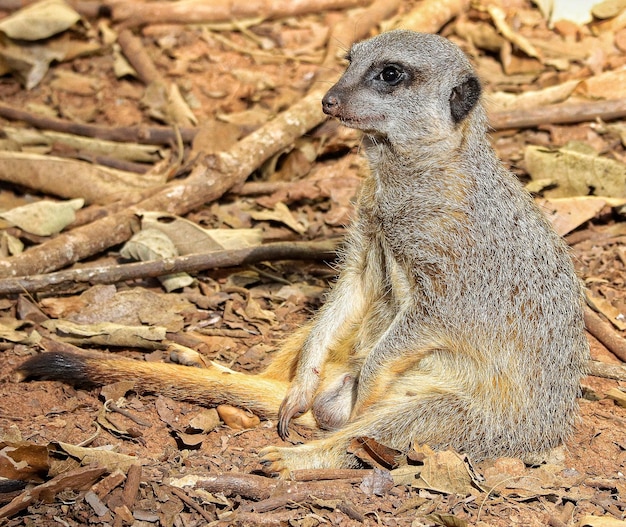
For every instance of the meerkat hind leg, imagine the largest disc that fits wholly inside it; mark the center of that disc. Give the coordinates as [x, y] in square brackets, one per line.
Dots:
[398, 421]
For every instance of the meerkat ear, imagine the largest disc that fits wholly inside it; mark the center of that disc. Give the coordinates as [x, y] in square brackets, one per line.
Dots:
[463, 98]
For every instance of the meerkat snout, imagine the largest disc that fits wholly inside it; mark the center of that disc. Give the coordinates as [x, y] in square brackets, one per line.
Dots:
[330, 104]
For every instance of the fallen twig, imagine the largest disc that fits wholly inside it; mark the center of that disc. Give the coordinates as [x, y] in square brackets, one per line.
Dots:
[272, 493]
[248, 486]
[429, 16]
[69, 178]
[138, 57]
[64, 280]
[606, 371]
[154, 135]
[564, 113]
[605, 334]
[139, 13]
[191, 503]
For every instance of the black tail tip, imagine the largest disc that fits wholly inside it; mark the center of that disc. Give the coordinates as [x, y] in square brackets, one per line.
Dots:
[54, 365]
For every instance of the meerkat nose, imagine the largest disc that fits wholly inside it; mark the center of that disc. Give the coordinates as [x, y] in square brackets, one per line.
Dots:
[330, 104]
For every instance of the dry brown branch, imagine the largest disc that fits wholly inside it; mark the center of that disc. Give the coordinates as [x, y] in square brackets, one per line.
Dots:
[565, 113]
[68, 280]
[272, 493]
[68, 178]
[605, 334]
[191, 503]
[606, 371]
[140, 13]
[153, 135]
[138, 57]
[298, 491]
[245, 485]
[429, 16]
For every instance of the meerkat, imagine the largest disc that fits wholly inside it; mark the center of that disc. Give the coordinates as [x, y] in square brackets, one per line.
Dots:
[456, 320]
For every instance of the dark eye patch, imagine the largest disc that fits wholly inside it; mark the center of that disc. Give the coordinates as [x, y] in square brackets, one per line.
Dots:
[391, 74]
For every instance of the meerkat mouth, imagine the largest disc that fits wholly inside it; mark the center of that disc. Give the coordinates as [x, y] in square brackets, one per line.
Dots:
[361, 123]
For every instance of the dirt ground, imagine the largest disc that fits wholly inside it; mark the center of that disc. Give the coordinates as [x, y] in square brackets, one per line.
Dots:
[149, 460]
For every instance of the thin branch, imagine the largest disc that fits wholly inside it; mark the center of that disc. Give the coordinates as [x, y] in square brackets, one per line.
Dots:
[140, 13]
[153, 135]
[605, 334]
[606, 371]
[565, 113]
[64, 280]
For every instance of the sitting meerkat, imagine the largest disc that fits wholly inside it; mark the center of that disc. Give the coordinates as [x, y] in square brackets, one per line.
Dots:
[457, 318]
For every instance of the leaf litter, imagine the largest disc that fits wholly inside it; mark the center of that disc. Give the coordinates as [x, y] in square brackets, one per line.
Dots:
[113, 457]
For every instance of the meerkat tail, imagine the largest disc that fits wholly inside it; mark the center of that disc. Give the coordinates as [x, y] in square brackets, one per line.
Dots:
[206, 386]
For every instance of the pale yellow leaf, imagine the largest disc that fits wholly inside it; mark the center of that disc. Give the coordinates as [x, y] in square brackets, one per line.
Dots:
[44, 218]
[39, 20]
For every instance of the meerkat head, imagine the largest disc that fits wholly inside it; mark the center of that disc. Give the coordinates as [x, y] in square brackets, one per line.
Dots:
[405, 87]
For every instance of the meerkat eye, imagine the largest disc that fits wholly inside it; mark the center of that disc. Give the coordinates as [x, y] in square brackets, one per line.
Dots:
[392, 75]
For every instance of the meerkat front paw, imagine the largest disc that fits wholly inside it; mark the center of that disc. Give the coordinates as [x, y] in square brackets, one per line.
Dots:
[298, 400]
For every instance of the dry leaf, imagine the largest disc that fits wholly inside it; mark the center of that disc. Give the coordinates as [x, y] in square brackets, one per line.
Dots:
[186, 356]
[10, 245]
[236, 418]
[378, 482]
[566, 214]
[205, 421]
[499, 19]
[39, 20]
[29, 63]
[281, 214]
[23, 461]
[618, 396]
[578, 12]
[9, 331]
[188, 237]
[606, 85]
[153, 244]
[601, 305]
[577, 170]
[121, 66]
[447, 520]
[167, 410]
[44, 218]
[104, 458]
[531, 99]
[108, 334]
[117, 390]
[131, 307]
[178, 109]
[445, 472]
[608, 8]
